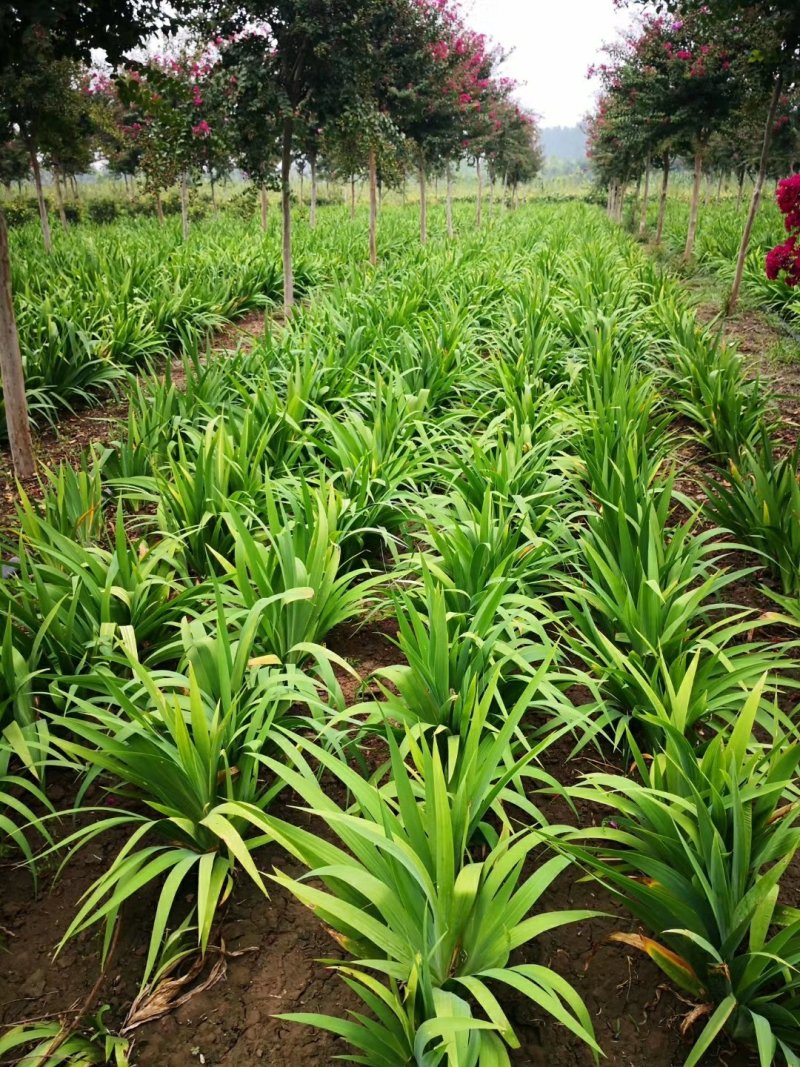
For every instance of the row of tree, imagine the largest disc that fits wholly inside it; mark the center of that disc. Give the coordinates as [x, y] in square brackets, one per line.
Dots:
[368, 87]
[715, 83]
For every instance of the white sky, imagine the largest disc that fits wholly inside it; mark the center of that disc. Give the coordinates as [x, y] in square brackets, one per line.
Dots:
[554, 42]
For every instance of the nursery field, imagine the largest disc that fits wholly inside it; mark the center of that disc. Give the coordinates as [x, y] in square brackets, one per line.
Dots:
[413, 682]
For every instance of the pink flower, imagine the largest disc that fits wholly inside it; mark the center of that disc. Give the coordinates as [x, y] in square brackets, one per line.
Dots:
[202, 129]
[785, 259]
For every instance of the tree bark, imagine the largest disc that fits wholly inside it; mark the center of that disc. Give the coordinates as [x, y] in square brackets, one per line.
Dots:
[662, 203]
[37, 181]
[479, 213]
[213, 194]
[423, 203]
[449, 206]
[694, 210]
[645, 199]
[264, 207]
[312, 216]
[60, 201]
[373, 207]
[11, 372]
[159, 208]
[741, 188]
[755, 203]
[286, 197]
[719, 186]
[352, 198]
[184, 207]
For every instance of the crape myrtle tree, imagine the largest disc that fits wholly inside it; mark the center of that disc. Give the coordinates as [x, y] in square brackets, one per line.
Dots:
[773, 53]
[247, 96]
[455, 84]
[69, 147]
[482, 126]
[514, 149]
[176, 133]
[673, 85]
[311, 56]
[65, 30]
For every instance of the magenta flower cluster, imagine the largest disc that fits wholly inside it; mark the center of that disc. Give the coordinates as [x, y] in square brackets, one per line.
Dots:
[784, 259]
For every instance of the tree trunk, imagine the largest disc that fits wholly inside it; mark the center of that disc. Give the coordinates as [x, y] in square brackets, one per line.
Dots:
[75, 189]
[184, 207]
[60, 201]
[621, 194]
[479, 214]
[755, 203]
[449, 207]
[352, 198]
[719, 186]
[302, 197]
[610, 201]
[159, 208]
[11, 373]
[373, 207]
[662, 203]
[423, 203]
[286, 197]
[37, 181]
[264, 207]
[645, 199]
[213, 194]
[741, 189]
[312, 217]
[695, 206]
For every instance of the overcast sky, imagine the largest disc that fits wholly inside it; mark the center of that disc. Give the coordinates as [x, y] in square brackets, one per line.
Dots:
[554, 43]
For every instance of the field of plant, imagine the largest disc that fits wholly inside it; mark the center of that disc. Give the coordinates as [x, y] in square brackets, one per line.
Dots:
[121, 296]
[440, 633]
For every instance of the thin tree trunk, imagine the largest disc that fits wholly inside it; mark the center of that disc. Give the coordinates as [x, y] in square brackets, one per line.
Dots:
[479, 213]
[645, 199]
[11, 373]
[622, 193]
[264, 207]
[184, 207]
[60, 201]
[352, 198]
[37, 181]
[286, 197]
[159, 208]
[213, 195]
[755, 203]
[423, 203]
[662, 203]
[695, 206]
[719, 186]
[312, 217]
[610, 201]
[741, 189]
[75, 189]
[302, 198]
[373, 207]
[449, 206]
